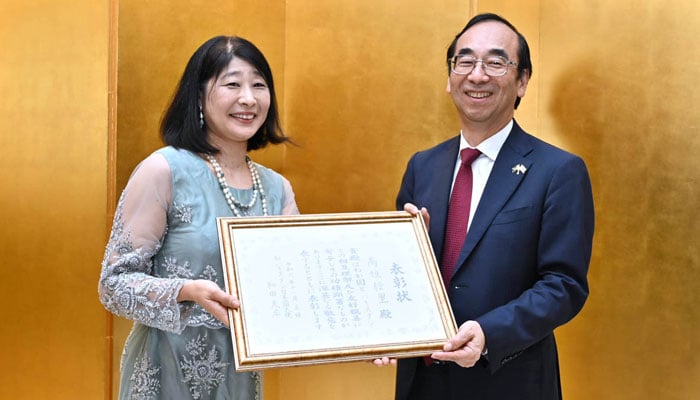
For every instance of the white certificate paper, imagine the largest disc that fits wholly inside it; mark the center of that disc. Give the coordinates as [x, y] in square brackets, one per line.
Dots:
[332, 287]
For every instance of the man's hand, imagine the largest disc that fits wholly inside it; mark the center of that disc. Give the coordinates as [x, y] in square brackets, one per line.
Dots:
[465, 347]
[413, 210]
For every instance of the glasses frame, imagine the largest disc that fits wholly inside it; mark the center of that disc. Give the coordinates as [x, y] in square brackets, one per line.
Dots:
[453, 61]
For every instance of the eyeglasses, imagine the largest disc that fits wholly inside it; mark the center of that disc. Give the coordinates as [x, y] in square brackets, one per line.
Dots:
[492, 66]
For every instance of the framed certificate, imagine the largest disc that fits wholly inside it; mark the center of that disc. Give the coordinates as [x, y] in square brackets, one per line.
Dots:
[325, 288]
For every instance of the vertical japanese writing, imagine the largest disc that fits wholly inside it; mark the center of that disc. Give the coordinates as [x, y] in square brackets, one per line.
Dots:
[346, 286]
[399, 282]
[337, 288]
[349, 289]
[284, 294]
[312, 292]
[274, 300]
[361, 282]
[325, 290]
[291, 295]
[377, 275]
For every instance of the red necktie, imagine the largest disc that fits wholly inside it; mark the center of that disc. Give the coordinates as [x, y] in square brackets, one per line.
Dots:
[458, 215]
[457, 219]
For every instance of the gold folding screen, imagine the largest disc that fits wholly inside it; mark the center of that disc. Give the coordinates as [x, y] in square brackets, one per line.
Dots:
[611, 92]
[361, 86]
[53, 191]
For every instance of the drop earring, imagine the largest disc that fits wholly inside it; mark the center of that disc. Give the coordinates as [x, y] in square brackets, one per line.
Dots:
[201, 116]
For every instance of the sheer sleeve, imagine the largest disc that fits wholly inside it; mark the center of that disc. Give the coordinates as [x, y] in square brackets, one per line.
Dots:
[127, 285]
[290, 205]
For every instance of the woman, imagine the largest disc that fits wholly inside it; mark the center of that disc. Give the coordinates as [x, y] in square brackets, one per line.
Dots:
[162, 267]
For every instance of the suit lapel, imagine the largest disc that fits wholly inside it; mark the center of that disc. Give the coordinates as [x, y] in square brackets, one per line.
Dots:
[439, 199]
[505, 178]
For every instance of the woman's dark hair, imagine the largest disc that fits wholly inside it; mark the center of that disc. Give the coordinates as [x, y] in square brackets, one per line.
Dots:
[180, 126]
[524, 62]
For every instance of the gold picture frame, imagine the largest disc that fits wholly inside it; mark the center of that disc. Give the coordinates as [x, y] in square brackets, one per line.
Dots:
[323, 288]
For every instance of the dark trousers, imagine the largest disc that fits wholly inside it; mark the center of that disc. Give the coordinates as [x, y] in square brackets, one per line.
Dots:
[532, 375]
[431, 382]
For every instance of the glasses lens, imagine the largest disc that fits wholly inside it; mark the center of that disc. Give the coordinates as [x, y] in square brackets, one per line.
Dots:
[493, 66]
[463, 64]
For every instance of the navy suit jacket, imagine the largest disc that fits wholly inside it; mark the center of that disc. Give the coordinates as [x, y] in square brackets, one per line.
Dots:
[523, 266]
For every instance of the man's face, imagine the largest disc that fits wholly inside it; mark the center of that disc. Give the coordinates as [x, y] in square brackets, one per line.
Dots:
[485, 103]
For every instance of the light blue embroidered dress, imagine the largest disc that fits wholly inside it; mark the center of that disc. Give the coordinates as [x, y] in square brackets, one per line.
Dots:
[164, 233]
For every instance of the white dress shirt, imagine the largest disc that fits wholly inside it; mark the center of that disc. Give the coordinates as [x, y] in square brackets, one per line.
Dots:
[481, 167]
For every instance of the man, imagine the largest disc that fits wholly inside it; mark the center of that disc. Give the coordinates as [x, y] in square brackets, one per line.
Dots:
[521, 270]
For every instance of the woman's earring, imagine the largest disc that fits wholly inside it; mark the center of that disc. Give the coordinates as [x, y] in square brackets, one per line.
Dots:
[201, 116]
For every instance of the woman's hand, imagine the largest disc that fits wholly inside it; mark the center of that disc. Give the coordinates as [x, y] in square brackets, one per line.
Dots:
[210, 296]
[384, 361]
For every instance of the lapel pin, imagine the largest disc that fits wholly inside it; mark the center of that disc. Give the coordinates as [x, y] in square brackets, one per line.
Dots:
[519, 169]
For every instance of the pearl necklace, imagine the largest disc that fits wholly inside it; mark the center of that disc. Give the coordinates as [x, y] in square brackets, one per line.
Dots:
[233, 203]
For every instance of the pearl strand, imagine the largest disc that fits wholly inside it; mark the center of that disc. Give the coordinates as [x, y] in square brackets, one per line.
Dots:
[233, 203]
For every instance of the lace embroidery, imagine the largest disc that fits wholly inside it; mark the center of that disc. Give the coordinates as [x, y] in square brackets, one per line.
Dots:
[199, 315]
[192, 313]
[143, 270]
[183, 213]
[257, 378]
[204, 371]
[210, 273]
[144, 380]
[177, 271]
[127, 287]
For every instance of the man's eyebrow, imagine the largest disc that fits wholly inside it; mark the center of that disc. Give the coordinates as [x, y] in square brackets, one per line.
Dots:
[499, 52]
[492, 52]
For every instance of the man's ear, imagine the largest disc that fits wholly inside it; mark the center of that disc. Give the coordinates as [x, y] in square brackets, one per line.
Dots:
[522, 83]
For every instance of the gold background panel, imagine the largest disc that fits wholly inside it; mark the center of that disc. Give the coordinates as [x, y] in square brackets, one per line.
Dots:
[53, 147]
[617, 80]
[361, 86]
[365, 88]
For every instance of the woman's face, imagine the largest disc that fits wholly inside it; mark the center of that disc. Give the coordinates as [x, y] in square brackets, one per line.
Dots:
[235, 104]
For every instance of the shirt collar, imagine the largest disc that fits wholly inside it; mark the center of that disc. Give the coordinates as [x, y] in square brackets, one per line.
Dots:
[491, 146]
